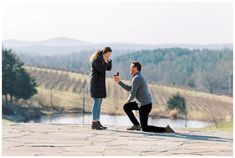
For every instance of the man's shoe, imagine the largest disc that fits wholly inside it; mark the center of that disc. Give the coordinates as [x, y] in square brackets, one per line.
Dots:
[101, 125]
[135, 127]
[96, 126]
[169, 130]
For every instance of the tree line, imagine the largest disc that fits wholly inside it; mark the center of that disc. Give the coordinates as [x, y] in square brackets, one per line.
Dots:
[210, 70]
[202, 69]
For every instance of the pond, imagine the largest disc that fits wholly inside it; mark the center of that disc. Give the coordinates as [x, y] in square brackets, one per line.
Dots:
[117, 120]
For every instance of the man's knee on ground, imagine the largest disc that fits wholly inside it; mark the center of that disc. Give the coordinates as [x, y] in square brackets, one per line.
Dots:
[125, 107]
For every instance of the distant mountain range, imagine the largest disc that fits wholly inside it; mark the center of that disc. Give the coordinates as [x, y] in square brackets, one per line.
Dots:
[64, 45]
[54, 42]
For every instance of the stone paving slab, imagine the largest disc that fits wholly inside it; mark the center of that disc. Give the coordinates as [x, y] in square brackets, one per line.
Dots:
[34, 139]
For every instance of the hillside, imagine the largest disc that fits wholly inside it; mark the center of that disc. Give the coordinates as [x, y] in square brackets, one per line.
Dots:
[68, 90]
[205, 70]
[64, 45]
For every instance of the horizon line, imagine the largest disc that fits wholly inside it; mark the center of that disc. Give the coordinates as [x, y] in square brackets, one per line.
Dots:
[117, 42]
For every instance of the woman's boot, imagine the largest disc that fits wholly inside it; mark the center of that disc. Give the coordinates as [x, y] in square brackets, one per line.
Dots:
[101, 125]
[95, 125]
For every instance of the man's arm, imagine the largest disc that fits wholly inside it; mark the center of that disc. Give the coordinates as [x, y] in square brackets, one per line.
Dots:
[124, 86]
[134, 89]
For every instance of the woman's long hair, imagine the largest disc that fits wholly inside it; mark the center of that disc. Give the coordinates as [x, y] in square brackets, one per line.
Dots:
[99, 53]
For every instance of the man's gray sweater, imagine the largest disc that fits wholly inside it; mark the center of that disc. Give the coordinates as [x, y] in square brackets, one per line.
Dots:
[138, 90]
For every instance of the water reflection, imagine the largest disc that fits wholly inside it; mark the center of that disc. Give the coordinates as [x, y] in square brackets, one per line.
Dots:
[117, 120]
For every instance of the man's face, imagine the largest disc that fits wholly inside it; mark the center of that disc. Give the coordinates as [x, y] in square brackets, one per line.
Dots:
[133, 69]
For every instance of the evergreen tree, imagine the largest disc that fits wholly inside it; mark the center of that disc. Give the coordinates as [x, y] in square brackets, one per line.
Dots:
[25, 85]
[16, 82]
[178, 102]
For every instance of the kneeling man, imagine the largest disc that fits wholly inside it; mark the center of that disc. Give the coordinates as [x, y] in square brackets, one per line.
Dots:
[139, 90]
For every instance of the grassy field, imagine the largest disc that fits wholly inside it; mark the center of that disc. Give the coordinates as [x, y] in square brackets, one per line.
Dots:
[6, 121]
[224, 126]
[70, 91]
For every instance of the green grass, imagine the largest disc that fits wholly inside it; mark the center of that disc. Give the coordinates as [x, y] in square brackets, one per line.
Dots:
[225, 126]
[7, 120]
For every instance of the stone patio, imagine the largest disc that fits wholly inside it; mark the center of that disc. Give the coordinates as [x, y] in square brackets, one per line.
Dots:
[33, 139]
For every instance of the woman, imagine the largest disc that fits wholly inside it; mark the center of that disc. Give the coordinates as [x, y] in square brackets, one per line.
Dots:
[100, 64]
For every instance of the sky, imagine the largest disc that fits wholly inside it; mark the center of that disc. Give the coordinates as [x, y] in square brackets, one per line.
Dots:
[147, 22]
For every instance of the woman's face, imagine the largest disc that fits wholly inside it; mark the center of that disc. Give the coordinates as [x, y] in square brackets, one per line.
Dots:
[107, 55]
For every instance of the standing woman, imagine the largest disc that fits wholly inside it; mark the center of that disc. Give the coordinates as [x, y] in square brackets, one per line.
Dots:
[100, 64]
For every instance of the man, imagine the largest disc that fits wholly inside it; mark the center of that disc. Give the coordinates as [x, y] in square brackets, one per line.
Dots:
[139, 90]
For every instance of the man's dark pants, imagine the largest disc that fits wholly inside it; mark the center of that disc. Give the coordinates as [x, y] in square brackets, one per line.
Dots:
[143, 114]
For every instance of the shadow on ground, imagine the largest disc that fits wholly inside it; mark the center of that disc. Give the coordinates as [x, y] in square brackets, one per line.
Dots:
[178, 135]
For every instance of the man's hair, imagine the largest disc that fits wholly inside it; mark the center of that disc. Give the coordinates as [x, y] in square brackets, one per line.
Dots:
[136, 64]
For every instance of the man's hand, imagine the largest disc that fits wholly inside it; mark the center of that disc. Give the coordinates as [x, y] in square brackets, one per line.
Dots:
[116, 78]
